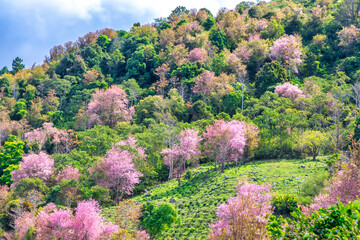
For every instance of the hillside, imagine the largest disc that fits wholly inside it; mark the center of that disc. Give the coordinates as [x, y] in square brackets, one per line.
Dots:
[198, 197]
[121, 112]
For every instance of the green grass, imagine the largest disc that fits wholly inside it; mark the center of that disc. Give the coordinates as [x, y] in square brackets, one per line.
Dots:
[197, 199]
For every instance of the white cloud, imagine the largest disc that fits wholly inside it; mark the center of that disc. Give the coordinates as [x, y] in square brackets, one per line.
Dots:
[82, 9]
[85, 9]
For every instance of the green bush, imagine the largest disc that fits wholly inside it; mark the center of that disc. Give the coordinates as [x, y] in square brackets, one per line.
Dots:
[336, 222]
[313, 185]
[283, 204]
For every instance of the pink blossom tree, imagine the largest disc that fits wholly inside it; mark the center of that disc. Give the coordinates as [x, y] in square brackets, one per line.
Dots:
[287, 49]
[348, 36]
[244, 53]
[34, 165]
[244, 216]
[198, 55]
[118, 171]
[68, 173]
[89, 224]
[187, 149]
[52, 223]
[109, 107]
[23, 224]
[289, 90]
[41, 135]
[63, 141]
[206, 83]
[343, 186]
[225, 141]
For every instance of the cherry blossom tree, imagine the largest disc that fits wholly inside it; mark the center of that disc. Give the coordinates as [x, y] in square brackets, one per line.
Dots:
[348, 37]
[204, 83]
[118, 171]
[198, 55]
[52, 223]
[109, 107]
[63, 141]
[244, 216]
[89, 224]
[68, 173]
[207, 84]
[34, 165]
[289, 90]
[288, 49]
[41, 135]
[178, 154]
[225, 141]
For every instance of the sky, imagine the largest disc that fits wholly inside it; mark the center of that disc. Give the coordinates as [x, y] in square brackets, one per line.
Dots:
[30, 28]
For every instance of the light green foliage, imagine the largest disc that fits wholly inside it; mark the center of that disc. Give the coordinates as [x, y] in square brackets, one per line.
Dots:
[312, 142]
[157, 219]
[337, 222]
[103, 41]
[10, 158]
[97, 140]
[313, 185]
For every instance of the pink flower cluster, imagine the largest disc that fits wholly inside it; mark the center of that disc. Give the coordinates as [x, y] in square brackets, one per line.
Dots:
[245, 215]
[226, 140]
[68, 173]
[187, 149]
[118, 168]
[289, 90]
[288, 49]
[109, 107]
[349, 35]
[51, 223]
[34, 165]
[198, 55]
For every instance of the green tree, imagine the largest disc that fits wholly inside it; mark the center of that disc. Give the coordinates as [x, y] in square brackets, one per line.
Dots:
[312, 142]
[209, 23]
[269, 76]
[200, 110]
[103, 41]
[17, 65]
[19, 110]
[157, 219]
[219, 39]
[10, 158]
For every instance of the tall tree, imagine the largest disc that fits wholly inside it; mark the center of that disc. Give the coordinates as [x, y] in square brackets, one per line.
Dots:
[187, 149]
[17, 65]
[225, 141]
[109, 107]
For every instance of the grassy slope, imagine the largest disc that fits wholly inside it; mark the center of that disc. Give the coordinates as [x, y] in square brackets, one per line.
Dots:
[197, 199]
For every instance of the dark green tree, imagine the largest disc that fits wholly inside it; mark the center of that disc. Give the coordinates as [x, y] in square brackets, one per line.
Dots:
[209, 23]
[10, 158]
[269, 76]
[17, 65]
[219, 39]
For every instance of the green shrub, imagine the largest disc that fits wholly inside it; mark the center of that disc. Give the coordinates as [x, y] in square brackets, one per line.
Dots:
[313, 185]
[336, 222]
[283, 204]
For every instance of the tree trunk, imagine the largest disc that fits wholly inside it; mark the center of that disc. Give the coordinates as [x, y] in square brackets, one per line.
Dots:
[222, 166]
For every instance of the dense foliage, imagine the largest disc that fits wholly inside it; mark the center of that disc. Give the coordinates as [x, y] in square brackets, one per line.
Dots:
[117, 112]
